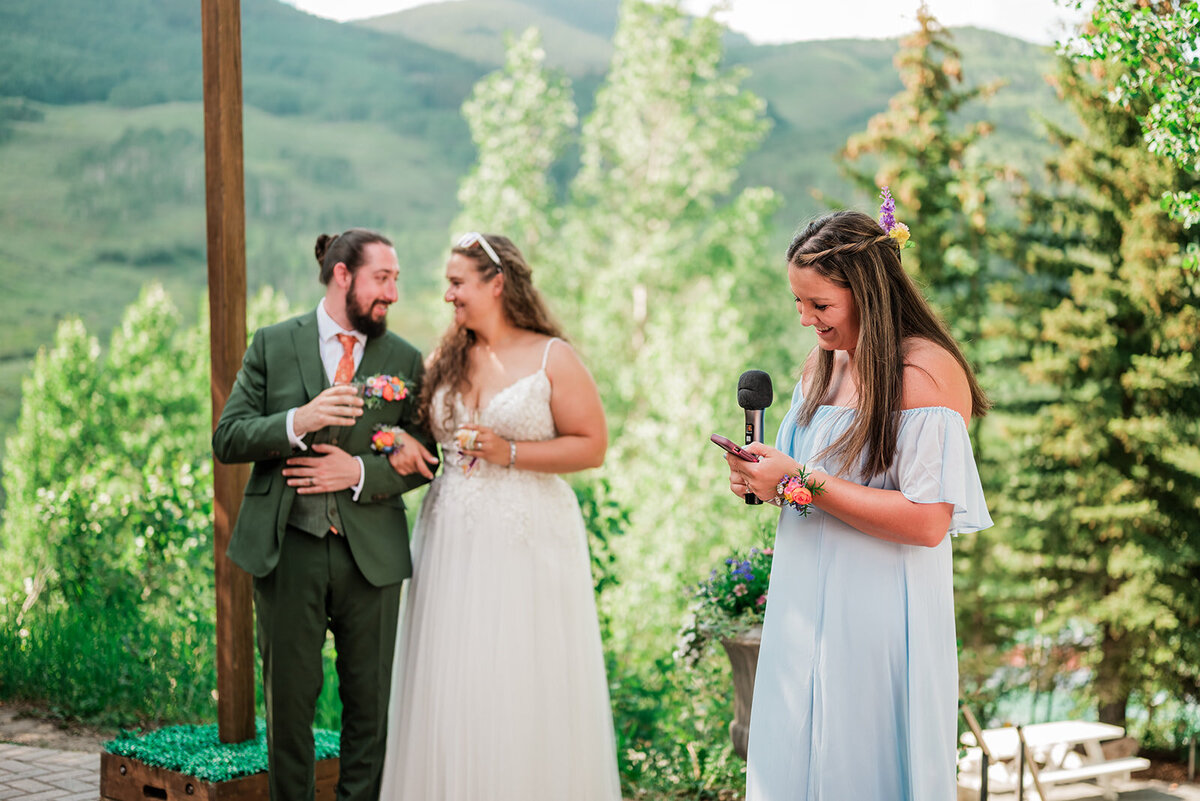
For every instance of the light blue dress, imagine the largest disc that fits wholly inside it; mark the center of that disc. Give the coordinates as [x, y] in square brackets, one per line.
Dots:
[856, 693]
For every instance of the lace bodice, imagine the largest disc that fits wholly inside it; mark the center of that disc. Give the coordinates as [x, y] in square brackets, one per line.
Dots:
[520, 413]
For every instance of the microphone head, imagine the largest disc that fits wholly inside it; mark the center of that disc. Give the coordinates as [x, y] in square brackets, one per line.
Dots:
[754, 390]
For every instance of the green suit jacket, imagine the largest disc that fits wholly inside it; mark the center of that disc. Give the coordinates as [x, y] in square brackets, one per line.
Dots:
[282, 370]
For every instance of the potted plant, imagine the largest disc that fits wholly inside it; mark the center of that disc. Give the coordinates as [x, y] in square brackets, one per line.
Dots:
[728, 607]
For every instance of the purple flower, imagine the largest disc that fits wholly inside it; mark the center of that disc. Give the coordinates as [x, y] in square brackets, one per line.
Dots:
[887, 211]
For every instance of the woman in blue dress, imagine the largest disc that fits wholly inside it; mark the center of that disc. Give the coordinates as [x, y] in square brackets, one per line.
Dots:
[856, 692]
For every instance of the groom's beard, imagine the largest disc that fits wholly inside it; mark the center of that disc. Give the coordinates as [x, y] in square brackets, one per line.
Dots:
[360, 318]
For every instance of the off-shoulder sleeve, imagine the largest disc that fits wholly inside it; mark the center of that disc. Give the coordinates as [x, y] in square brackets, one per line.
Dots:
[934, 464]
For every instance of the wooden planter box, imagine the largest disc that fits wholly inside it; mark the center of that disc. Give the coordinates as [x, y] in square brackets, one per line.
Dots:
[126, 779]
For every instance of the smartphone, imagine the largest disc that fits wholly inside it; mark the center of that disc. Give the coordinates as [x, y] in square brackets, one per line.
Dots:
[734, 448]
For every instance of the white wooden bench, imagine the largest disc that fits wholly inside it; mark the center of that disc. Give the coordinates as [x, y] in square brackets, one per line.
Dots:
[1108, 769]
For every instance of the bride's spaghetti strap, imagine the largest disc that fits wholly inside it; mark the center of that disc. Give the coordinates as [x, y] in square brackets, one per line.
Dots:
[546, 353]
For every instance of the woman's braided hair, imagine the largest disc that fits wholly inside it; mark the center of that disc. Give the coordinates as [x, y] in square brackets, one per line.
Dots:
[849, 249]
[845, 248]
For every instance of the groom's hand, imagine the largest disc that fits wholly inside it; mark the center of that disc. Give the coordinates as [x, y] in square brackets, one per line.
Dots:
[337, 406]
[333, 471]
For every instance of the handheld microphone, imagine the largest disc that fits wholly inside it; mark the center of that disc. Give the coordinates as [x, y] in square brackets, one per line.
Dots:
[754, 395]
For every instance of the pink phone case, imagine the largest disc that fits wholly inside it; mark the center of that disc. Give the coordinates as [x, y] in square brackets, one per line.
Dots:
[733, 447]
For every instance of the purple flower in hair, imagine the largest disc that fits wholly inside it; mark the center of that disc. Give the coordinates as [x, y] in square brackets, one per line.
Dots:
[887, 212]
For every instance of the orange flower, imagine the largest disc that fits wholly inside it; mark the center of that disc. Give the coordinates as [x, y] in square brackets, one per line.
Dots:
[388, 394]
[385, 439]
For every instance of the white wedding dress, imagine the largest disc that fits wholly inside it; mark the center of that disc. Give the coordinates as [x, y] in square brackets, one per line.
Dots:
[499, 689]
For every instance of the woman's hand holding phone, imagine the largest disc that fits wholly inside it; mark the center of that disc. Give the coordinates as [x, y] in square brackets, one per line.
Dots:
[755, 468]
[733, 447]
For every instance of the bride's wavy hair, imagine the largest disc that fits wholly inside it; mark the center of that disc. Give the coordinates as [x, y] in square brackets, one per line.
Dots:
[520, 302]
[849, 249]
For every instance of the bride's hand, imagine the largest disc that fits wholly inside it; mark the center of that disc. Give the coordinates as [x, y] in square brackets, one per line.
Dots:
[489, 446]
[411, 457]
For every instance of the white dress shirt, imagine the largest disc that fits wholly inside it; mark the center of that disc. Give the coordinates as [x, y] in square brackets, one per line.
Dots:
[331, 354]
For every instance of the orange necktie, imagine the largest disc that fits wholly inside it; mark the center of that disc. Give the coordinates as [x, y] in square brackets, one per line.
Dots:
[345, 369]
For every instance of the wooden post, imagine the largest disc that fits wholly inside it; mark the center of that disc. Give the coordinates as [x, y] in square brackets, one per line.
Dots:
[224, 190]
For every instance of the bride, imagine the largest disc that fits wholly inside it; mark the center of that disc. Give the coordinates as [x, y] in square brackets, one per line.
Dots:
[499, 689]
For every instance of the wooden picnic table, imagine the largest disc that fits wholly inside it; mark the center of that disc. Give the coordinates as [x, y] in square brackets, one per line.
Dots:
[1053, 747]
[1061, 735]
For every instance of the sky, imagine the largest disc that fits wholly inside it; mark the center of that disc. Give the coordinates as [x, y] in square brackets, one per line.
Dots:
[774, 21]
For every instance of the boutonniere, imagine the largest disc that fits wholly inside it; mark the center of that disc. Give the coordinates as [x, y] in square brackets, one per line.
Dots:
[379, 389]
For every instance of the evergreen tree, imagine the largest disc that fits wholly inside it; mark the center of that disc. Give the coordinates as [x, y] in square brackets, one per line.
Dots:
[945, 193]
[932, 165]
[1107, 493]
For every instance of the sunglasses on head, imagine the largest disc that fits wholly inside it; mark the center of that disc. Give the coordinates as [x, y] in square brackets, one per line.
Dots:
[475, 238]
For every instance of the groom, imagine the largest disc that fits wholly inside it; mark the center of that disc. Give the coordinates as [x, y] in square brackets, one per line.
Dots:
[324, 532]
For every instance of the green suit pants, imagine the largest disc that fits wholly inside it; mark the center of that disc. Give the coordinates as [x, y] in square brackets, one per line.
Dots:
[317, 585]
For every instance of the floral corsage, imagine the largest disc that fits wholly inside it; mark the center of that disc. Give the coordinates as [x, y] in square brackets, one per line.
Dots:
[386, 439]
[887, 220]
[380, 388]
[798, 491]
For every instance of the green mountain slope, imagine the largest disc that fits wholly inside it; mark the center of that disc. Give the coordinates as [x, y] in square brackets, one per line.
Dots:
[134, 53]
[101, 141]
[818, 93]
[478, 29]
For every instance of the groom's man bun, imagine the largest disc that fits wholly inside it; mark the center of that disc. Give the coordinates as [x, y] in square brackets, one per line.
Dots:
[346, 248]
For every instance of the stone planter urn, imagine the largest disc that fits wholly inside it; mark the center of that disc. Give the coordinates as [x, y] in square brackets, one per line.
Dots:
[743, 658]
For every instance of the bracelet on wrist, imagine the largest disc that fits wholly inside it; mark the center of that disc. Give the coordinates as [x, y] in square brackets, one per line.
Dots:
[512, 453]
[798, 490]
[386, 439]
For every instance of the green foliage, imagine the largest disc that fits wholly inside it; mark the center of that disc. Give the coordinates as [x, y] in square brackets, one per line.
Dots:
[1104, 500]
[109, 665]
[520, 118]
[605, 519]
[648, 256]
[673, 728]
[947, 192]
[731, 600]
[63, 51]
[107, 547]
[126, 524]
[1156, 45]
[363, 129]
[930, 161]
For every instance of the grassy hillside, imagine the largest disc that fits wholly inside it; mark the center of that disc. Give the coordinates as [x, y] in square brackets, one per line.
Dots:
[102, 184]
[99, 200]
[133, 53]
[818, 93]
[477, 30]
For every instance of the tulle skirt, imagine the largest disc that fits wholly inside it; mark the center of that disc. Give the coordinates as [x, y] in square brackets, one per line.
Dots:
[499, 690]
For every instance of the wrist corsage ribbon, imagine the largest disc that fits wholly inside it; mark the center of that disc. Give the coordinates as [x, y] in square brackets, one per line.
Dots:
[386, 439]
[798, 490]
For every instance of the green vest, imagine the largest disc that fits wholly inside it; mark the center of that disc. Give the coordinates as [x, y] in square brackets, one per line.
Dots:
[316, 514]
